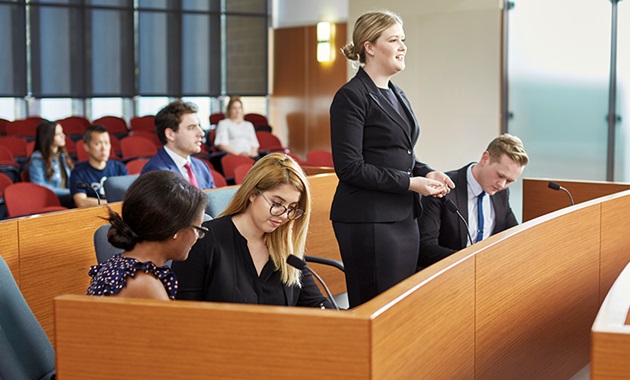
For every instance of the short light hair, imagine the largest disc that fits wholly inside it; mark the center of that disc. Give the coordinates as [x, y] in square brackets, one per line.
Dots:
[368, 28]
[509, 145]
[271, 171]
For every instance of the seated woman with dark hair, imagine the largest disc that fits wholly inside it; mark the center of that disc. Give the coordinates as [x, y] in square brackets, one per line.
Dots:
[161, 217]
[50, 164]
[242, 258]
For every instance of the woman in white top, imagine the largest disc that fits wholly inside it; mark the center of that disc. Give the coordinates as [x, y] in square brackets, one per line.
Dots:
[234, 134]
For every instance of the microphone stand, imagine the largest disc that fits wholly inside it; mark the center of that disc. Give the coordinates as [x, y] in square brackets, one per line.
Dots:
[300, 264]
[452, 207]
[85, 186]
[555, 186]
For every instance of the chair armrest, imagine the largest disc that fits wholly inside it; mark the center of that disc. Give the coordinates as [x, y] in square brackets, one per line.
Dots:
[325, 261]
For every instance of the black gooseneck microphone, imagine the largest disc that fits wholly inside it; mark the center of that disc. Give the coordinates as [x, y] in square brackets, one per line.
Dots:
[300, 264]
[452, 207]
[85, 186]
[555, 186]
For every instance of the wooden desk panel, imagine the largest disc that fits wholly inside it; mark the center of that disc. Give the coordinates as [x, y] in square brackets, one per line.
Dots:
[615, 231]
[132, 339]
[537, 296]
[611, 333]
[429, 334]
[539, 200]
[9, 249]
[56, 252]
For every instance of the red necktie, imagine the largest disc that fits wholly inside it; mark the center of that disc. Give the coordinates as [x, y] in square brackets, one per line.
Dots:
[191, 175]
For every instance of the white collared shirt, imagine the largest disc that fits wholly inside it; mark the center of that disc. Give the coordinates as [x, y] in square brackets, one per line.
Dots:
[474, 189]
[179, 162]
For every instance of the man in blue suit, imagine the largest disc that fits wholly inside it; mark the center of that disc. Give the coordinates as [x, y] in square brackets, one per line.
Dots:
[178, 129]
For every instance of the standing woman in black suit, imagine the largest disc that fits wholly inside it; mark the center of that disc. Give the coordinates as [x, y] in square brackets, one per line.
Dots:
[373, 133]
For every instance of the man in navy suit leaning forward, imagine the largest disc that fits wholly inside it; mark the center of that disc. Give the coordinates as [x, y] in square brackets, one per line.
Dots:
[177, 127]
[482, 184]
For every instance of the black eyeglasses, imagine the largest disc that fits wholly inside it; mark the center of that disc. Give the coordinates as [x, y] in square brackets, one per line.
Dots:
[277, 209]
[200, 231]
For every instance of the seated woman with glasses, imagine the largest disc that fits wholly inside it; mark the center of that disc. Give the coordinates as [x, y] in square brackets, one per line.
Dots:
[161, 217]
[242, 259]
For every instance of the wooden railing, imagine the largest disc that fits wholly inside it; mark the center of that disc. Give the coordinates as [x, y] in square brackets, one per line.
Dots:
[539, 199]
[610, 346]
[517, 305]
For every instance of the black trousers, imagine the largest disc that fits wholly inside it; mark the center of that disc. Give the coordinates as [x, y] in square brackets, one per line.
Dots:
[377, 256]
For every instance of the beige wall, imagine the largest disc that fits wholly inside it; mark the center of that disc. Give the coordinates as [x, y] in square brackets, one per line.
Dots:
[453, 74]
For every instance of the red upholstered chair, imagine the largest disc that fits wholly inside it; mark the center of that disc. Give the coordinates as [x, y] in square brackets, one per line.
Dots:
[219, 179]
[115, 125]
[257, 119]
[135, 166]
[229, 162]
[116, 151]
[82, 155]
[30, 146]
[25, 198]
[143, 123]
[240, 172]
[25, 176]
[17, 146]
[3, 126]
[74, 126]
[152, 136]
[137, 147]
[215, 118]
[71, 147]
[8, 165]
[319, 157]
[25, 129]
[269, 142]
[5, 182]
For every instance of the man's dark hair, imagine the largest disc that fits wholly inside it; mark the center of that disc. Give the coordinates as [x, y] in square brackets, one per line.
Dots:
[87, 136]
[170, 117]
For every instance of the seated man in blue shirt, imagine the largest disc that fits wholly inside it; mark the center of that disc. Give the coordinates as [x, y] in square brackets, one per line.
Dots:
[442, 232]
[96, 169]
[177, 127]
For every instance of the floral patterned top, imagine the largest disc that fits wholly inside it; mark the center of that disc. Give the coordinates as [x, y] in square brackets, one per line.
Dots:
[110, 277]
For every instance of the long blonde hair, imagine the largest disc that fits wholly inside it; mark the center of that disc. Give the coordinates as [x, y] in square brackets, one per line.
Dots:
[269, 172]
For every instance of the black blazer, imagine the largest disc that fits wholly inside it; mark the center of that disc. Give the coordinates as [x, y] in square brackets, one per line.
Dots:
[216, 270]
[372, 148]
[442, 232]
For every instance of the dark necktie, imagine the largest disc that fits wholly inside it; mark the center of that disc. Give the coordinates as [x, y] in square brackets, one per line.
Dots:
[480, 216]
[191, 175]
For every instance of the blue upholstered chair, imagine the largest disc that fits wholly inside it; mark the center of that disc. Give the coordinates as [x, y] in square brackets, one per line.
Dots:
[116, 187]
[25, 351]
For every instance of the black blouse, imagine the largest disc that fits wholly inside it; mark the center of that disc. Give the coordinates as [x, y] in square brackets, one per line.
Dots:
[219, 268]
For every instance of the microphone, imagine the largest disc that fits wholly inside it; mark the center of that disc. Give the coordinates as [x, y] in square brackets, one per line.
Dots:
[555, 186]
[300, 264]
[85, 186]
[452, 207]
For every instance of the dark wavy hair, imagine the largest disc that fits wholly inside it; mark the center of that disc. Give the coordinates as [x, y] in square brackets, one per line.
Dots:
[43, 142]
[156, 206]
[170, 117]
